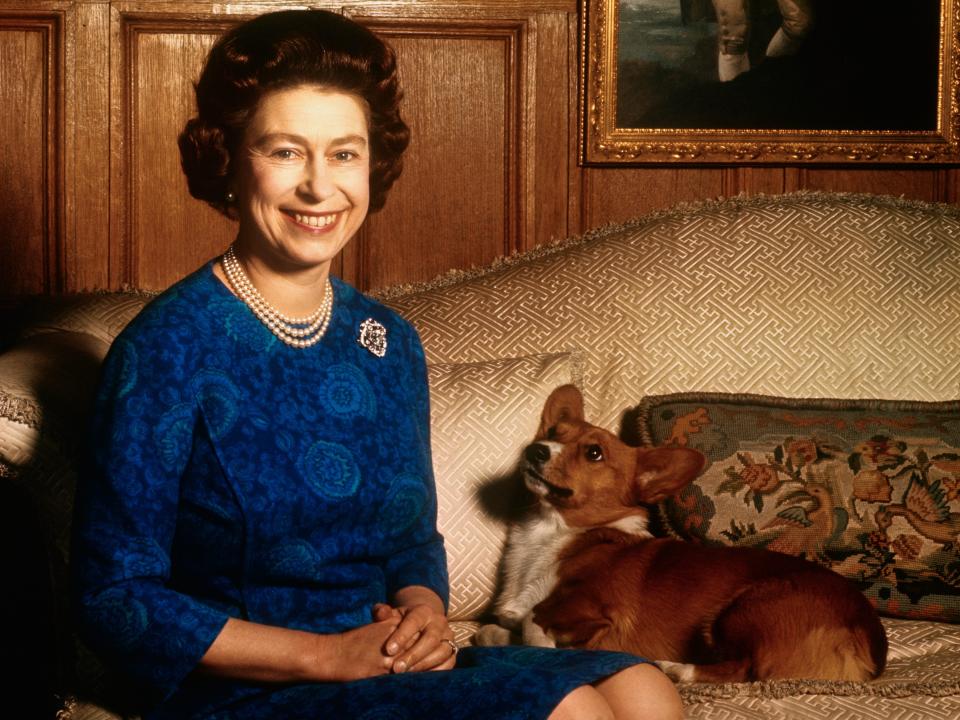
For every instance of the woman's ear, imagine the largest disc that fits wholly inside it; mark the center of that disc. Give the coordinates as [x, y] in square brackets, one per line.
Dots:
[564, 404]
[664, 471]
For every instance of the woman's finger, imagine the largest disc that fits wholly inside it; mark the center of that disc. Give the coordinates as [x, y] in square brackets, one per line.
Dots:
[406, 635]
[430, 651]
[444, 657]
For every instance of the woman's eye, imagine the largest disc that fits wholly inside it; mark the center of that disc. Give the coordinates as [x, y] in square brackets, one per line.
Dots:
[594, 453]
[284, 154]
[344, 155]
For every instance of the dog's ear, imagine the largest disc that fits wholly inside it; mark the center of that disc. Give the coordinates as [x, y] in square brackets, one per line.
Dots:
[564, 404]
[664, 471]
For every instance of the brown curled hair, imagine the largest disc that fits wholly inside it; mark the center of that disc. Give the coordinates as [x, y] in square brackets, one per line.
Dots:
[281, 50]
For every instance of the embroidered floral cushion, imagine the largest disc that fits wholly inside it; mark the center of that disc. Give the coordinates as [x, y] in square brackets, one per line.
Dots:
[868, 488]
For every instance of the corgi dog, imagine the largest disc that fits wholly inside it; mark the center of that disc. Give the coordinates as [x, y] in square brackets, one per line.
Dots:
[583, 571]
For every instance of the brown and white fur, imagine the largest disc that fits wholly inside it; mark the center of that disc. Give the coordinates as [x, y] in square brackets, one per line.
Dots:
[583, 571]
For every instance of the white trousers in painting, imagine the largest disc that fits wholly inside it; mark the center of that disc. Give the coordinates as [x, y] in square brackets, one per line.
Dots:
[733, 18]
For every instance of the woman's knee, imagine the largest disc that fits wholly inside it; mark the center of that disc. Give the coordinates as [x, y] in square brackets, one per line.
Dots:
[642, 692]
[583, 703]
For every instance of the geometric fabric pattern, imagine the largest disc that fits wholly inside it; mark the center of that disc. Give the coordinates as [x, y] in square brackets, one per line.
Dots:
[482, 416]
[800, 295]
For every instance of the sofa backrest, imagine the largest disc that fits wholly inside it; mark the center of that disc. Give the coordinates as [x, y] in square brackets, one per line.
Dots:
[806, 294]
[803, 295]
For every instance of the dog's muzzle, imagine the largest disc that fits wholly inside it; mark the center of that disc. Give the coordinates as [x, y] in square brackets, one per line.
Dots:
[537, 455]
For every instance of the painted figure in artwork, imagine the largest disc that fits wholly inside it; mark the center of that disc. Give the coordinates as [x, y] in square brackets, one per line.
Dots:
[733, 17]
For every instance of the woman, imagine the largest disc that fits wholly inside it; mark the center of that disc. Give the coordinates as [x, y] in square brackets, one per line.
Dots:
[255, 533]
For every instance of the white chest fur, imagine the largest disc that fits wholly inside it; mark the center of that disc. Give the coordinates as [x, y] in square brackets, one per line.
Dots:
[530, 564]
[530, 573]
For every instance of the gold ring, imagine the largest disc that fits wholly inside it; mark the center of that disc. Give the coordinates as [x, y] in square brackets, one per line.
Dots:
[453, 646]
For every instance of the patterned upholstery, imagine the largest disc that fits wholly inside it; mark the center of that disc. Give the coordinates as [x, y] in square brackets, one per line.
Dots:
[482, 415]
[804, 295]
[102, 315]
[868, 488]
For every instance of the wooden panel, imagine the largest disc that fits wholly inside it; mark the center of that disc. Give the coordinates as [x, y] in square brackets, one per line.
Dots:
[919, 183]
[456, 203]
[86, 234]
[553, 83]
[159, 233]
[614, 194]
[753, 180]
[31, 140]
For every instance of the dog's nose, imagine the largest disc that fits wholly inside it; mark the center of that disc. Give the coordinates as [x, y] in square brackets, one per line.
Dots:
[537, 453]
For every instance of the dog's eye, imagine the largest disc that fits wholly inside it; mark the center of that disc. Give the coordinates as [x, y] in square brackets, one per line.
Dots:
[594, 453]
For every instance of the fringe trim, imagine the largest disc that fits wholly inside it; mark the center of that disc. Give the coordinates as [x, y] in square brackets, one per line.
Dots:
[20, 410]
[775, 689]
[8, 471]
[67, 709]
[737, 203]
[649, 403]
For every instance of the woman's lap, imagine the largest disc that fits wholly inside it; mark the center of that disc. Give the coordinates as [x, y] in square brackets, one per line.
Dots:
[512, 683]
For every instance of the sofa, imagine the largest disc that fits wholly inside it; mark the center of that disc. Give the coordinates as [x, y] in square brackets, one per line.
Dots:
[808, 343]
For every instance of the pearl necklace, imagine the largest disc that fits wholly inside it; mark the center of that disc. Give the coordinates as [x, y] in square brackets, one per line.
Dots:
[295, 332]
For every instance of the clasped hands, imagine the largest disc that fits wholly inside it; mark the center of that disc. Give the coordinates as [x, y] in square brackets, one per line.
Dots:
[421, 638]
[411, 636]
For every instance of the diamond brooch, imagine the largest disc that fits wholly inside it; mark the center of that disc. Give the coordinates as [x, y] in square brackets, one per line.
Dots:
[373, 336]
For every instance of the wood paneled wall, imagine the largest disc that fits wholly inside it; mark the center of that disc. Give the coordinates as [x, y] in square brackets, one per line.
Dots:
[94, 92]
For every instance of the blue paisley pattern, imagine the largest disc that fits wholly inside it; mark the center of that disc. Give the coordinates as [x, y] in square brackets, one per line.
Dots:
[233, 476]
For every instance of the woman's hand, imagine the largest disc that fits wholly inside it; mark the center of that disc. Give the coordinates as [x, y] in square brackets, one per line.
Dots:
[361, 653]
[423, 639]
[265, 653]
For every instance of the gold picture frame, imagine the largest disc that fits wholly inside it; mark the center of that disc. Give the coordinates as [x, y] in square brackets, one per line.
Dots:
[635, 107]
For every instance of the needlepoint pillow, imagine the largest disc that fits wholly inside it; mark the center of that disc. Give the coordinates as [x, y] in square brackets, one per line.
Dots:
[869, 488]
[482, 416]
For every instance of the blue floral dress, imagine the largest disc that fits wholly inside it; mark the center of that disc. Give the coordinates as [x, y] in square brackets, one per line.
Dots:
[234, 476]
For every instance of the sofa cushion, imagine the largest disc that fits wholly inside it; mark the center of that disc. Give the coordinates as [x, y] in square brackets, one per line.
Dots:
[868, 488]
[482, 415]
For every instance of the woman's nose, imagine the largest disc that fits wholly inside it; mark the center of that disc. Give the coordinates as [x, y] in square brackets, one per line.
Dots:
[317, 181]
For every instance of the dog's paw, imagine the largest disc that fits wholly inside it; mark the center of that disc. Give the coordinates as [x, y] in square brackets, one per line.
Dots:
[678, 672]
[492, 636]
[511, 617]
[535, 636]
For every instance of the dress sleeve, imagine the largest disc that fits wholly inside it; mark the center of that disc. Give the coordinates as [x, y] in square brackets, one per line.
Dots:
[126, 513]
[422, 559]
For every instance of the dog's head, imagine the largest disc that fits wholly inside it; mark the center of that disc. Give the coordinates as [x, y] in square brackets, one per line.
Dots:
[593, 478]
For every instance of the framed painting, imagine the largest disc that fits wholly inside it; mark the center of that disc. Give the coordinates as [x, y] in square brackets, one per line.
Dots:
[769, 81]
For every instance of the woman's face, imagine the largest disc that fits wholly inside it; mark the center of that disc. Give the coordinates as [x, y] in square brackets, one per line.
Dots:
[302, 177]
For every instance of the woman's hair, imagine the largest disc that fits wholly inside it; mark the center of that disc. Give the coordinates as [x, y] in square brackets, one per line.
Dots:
[281, 50]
